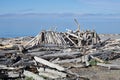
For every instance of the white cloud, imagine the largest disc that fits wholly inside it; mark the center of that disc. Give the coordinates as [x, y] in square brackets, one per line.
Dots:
[17, 15]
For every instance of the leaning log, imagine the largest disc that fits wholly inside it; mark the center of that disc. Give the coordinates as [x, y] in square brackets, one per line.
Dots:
[52, 65]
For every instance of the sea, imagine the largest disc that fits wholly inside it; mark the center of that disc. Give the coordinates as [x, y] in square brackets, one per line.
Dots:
[31, 26]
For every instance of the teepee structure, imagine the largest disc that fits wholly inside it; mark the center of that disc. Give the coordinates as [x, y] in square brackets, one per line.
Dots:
[47, 38]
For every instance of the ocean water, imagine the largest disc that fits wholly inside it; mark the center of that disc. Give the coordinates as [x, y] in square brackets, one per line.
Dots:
[31, 26]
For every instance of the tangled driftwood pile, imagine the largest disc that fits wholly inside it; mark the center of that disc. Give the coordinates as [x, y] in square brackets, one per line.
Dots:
[51, 55]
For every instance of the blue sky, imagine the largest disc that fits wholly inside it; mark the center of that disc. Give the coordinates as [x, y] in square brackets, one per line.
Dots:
[60, 6]
[28, 17]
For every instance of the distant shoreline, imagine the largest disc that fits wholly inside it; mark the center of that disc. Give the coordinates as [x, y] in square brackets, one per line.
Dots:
[102, 36]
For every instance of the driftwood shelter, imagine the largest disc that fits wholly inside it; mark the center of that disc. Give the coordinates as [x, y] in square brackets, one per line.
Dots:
[66, 39]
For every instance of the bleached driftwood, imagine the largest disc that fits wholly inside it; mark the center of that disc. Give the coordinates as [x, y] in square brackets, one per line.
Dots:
[109, 66]
[78, 66]
[52, 65]
[100, 44]
[72, 35]
[23, 63]
[70, 39]
[50, 73]
[7, 68]
[34, 76]
[85, 59]
[68, 60]
[9, 47]
[40, 53]
[97, 59]
[62, 55]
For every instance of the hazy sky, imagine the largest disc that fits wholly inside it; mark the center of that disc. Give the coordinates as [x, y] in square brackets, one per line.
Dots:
[30, 16]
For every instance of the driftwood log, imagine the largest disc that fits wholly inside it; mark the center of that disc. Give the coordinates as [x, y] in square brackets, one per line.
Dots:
[47, 63]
